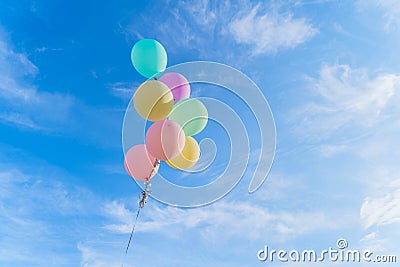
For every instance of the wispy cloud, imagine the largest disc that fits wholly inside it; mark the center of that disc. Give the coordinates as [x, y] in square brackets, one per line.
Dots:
[374, 241]
[330, 150]
[45, 49]
[93, 255]
[19, 120]
[269, 31]
[43, 216]
[123, 90]
[221, 221]
[347, 99]
[22, 103]
[380, 217]
[31, 212]
[389, 8]
[25, 105]
[382, 209]
[210, 27]
[352, 114]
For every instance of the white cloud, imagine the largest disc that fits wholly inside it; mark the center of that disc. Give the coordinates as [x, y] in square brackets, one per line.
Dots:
[22, 103]
[30, 214]
[373, 242]
[268, 32]
[382, 209]
[331, 150]
[347, 99]
[212, 28]
[353, 114]
[44, 215]
[19, 119]
[222, 220]
[123, 90]
[95, 256]
[14, 66]
[390, 9]
[25, 105]
[40, 193]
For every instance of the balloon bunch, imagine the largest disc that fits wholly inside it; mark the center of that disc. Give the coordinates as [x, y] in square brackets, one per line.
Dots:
[165, 100]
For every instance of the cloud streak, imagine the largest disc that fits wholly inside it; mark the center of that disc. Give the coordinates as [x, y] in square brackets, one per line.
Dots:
[347, 99]
[22, 104]
[208, 27]
[383, 209]
[220, 221]
[390, 9]
[123, 90]
[43, 217]
[268, 32]
[25, 106]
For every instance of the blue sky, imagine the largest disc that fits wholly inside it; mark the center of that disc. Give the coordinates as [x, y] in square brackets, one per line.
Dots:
[330, 71]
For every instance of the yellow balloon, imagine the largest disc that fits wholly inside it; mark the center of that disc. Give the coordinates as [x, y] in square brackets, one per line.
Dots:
[188, 157]
[153, 100]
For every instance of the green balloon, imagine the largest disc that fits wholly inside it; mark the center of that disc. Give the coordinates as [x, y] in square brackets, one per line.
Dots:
[149, 57]
[191, 115]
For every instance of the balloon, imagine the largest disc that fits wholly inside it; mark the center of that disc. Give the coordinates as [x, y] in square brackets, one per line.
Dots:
[191, 115]
[188, 157]
[139, 163]
[165, 139]
[153, 100]
[148, 57]
[178, 84]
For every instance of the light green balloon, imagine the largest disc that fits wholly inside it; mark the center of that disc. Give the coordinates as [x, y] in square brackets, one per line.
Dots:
[149, 57]
[191, 115]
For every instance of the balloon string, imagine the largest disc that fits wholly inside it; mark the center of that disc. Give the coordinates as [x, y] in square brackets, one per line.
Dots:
[145, 193]
[133, 229]
[156, 162]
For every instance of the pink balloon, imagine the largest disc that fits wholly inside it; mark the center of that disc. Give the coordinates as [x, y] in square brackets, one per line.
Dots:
[178, 84]
[139, 163]
[165, 139]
